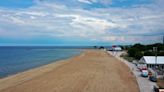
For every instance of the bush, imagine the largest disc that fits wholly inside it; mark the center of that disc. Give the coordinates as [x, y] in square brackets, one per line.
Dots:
[151, 53]
[134, 52]
[138, 55]
[148, 53]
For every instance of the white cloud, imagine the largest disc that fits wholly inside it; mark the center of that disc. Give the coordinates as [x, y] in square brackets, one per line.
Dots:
[104, 2]
[108, 25]
[85, 1]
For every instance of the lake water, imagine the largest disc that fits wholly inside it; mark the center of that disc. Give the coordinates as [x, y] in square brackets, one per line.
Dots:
[18, 59]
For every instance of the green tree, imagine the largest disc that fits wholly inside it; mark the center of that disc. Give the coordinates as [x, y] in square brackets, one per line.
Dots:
[134, 52]
[139, 47]
[138, 55]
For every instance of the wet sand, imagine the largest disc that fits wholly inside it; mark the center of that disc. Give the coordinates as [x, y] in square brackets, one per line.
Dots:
[91, 71]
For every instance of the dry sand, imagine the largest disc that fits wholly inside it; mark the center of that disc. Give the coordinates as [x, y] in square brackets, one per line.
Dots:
[92, 71]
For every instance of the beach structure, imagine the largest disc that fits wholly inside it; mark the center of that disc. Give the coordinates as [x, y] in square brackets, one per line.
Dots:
[117, 48]
[152, 61]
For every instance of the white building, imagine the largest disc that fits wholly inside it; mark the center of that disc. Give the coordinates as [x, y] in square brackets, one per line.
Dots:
[117, 48]
[150, 61]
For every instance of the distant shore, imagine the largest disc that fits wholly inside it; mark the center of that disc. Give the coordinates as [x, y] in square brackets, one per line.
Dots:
[91, 71]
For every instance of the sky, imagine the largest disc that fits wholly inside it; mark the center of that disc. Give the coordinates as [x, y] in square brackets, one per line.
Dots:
[81, 22]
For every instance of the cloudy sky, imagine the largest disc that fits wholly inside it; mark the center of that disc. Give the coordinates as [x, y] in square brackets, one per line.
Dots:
[81, 22]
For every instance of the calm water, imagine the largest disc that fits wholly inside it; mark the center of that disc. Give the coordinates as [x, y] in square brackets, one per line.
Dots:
[18, 59]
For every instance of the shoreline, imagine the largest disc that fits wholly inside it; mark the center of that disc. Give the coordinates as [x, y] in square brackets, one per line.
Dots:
[53, 61]
[33, 72]
[76, 64]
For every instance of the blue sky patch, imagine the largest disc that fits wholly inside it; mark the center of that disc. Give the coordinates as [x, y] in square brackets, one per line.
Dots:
[16, 3]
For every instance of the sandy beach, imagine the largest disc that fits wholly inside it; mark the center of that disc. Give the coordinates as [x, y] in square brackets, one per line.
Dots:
[91, 71]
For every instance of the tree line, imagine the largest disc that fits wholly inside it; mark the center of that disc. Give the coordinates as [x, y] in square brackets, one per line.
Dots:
[139, 50]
